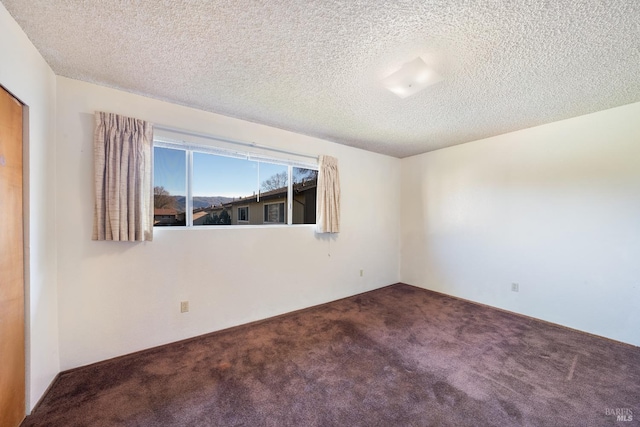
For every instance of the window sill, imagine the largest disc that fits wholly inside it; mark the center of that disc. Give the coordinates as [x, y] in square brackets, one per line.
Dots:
[231, 227]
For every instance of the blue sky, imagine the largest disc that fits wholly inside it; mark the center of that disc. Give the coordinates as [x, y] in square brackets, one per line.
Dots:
[212, 175]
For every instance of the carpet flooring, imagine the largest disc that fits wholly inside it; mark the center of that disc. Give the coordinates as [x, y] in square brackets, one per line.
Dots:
[397, 356]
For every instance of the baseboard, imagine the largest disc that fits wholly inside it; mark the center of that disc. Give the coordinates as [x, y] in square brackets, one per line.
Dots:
[35, 407]
[208, 334]
[515, 313]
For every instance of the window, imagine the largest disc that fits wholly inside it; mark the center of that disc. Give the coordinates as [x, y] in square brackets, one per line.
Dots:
[243, 214]
[274, 213]
[169, 186]
[197, 186]
[304, 195]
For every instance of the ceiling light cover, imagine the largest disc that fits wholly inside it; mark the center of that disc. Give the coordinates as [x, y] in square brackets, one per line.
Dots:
[411, 78]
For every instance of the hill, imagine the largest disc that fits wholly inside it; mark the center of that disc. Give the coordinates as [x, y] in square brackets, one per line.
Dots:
[201, 201]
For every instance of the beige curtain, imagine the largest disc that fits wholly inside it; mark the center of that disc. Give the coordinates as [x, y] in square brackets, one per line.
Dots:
[328, 203]
[122, 155]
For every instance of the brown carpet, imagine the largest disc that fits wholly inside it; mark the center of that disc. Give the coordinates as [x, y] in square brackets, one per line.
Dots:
[397, 356]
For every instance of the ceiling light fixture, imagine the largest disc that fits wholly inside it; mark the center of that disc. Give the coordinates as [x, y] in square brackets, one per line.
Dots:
[411, 78]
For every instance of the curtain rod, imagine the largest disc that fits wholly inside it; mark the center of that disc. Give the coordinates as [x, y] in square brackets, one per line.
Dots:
[230, 141]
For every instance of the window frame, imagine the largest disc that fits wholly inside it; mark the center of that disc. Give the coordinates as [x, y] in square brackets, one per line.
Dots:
[219, 150]
[286, 219]
[243, 221]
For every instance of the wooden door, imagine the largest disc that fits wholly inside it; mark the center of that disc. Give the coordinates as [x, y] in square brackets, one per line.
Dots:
[12, 360]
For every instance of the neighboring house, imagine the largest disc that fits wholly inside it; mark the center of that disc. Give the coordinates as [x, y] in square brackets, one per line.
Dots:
[164, 216]
[267, 208]
[200, 216]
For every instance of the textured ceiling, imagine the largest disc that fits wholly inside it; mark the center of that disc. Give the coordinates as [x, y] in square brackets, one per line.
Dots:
[314, 67]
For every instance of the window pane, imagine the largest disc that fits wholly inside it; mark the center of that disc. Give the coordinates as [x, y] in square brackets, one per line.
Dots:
[273, 192]
[274, 213]
[273, 177]
[221, 185]
[169, 186]
[243, 214]
[304, 195]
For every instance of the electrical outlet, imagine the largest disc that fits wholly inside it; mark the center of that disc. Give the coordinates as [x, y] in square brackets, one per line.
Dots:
[515, 287]
[361, 273]
[184, 306]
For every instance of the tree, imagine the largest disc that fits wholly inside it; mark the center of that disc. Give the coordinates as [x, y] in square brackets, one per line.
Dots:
[211, 219]
[274, 182]
[302, 175]
[162, 199]
[214, 219]
[280, 180]
[225, 218]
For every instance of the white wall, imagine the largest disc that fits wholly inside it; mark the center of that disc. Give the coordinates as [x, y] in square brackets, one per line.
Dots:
[117, 298]
[555, 208]
[25, 74]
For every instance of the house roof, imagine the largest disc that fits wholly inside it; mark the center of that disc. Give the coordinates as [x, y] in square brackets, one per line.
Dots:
[275, 194]
[315, 67]
[164, 211]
